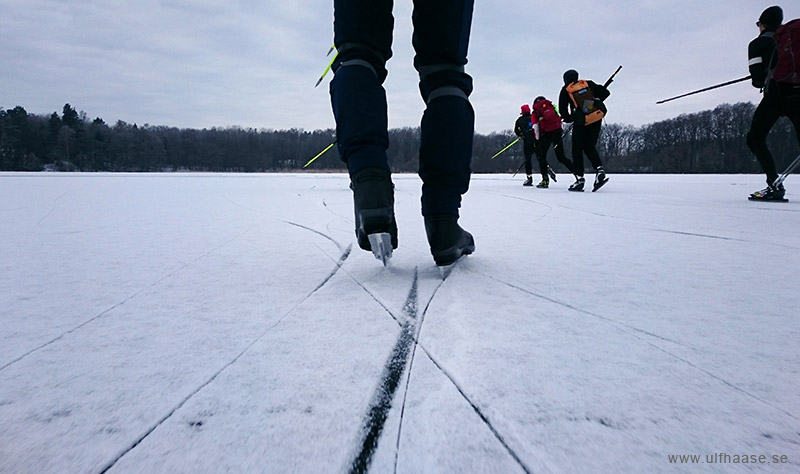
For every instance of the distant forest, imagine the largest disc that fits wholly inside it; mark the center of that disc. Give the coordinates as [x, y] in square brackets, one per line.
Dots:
[712, 141]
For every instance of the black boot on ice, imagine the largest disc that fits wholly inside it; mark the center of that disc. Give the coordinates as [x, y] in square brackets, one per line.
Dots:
[578, 184]
[447, 239]
[373, 198]
[770, 193]
[552, 174]
[599, 179]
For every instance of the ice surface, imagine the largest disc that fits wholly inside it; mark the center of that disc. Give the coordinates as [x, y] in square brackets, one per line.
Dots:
[229, 323]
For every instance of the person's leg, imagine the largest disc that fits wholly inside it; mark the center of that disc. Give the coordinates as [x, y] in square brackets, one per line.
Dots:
[528, 151]
[541, 156]
[558, 148]
[441, 37]
[363, 36]
[578, 139]
[590, 144]
[765, 116]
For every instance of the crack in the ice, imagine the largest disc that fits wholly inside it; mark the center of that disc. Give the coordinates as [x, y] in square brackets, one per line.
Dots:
[138, 441]
[381, 404]
[52, 208]
[338, 245]
[379, 408]
[129, 298]
[616, 325]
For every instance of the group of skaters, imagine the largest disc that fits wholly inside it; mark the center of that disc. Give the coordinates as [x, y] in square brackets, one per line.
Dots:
[363, 38]
[540, 126]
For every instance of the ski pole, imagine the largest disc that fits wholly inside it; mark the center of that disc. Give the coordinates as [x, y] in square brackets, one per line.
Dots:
[329, 65]
[505, 148]
[611, 79]
[705, 89]
[520, 167]
[319, 154]
[788, 171]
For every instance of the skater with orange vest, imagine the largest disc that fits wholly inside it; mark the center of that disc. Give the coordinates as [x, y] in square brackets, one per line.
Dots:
[584, 100]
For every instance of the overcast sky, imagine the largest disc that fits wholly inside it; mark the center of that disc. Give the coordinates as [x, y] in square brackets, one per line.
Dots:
[206, 63]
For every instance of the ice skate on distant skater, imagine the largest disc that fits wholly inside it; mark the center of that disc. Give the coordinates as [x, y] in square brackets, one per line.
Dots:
[552, 174]
[772, 192]
[600, 179]
[578, 185]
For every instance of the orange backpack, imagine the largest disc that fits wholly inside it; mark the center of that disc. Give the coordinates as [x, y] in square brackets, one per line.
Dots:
[584, 100]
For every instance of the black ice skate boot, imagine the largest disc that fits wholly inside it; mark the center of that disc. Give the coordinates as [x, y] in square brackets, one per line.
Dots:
[552, 174]
[770, 193]
[447, 239]
[373, 199]
[577, 186]
[599, 179]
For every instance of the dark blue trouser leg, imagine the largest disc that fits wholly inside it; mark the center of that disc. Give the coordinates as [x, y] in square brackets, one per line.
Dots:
[359, 106]
[363, 36]
[445, 154]
[441, 38]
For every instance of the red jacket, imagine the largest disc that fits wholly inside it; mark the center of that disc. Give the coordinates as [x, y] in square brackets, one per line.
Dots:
[544, 113]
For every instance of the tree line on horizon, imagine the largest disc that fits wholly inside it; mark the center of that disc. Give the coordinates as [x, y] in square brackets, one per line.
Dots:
[711, 141]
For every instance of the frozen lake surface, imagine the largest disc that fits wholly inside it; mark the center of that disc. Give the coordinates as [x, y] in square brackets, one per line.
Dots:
[166, 323]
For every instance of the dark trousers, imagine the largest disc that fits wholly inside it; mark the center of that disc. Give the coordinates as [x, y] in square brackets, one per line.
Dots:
[584, 140]
[545, 140]
[779, 101]
[363, 37]
[528, 149]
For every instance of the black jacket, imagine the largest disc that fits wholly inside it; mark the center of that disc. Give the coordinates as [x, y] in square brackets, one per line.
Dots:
[567, 108]
[523, 128]
[761, 57]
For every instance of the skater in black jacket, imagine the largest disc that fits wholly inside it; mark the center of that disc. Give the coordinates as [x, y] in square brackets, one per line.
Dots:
[780, 99]
[523, 128]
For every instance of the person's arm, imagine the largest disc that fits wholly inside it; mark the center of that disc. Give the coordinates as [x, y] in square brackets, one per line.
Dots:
[565, 105]
[599, 91]
[535, 124]
[759, 53]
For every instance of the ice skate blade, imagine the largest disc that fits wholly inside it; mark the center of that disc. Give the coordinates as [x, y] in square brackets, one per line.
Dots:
[599, 185]
[381, 245]
[751, 198]
[445, 270]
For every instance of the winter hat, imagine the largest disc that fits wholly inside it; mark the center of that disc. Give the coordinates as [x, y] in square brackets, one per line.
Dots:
[525, 109]
[570, 76]
[772, 16]
[541, 97]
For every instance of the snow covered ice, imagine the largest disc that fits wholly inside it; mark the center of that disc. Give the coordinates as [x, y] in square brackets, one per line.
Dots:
[168, 323]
